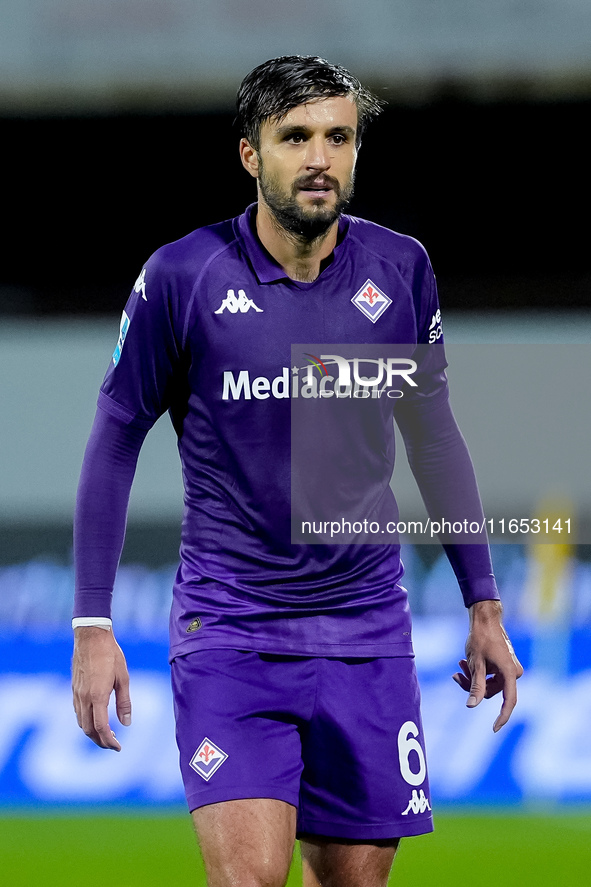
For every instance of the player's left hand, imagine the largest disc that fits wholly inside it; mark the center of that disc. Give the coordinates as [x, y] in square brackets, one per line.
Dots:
[490, 666]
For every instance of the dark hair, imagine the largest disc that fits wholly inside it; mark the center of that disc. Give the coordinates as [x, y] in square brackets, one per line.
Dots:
[273, 88]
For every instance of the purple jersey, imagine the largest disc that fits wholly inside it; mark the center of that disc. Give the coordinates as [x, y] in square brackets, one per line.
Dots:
[207, 334]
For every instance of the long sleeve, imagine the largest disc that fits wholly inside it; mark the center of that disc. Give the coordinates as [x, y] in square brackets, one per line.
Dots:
[101, 510]
[441, 464]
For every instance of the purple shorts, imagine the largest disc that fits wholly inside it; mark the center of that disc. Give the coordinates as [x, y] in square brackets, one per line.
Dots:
[340, 739]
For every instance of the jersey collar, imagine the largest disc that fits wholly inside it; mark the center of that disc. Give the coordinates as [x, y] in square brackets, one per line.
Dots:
[265, 267]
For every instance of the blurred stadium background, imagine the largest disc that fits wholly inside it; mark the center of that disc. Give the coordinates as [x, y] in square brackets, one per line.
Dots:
[116, 123]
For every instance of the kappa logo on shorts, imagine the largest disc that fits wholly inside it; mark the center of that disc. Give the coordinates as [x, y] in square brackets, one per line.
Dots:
[418, 803]
[371, 301]
[207, 759]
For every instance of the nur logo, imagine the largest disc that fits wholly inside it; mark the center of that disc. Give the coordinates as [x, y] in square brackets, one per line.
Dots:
[207, 759]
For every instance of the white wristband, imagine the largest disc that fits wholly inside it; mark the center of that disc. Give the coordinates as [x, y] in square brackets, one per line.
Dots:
[92, 621]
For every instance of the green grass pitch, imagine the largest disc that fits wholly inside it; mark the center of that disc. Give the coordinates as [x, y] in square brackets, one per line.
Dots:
[119, 850]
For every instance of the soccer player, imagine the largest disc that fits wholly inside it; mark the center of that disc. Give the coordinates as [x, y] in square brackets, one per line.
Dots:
[296, 699]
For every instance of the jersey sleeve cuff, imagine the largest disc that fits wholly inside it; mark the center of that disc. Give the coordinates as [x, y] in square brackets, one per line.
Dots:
[483, 589]
[92, 622]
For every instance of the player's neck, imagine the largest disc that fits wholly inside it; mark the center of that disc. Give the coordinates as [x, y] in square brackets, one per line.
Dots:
[301, 259]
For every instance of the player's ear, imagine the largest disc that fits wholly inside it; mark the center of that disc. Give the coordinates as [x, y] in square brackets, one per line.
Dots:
[249, 158]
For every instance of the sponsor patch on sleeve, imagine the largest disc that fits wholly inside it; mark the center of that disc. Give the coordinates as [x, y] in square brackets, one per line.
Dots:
[123, 327]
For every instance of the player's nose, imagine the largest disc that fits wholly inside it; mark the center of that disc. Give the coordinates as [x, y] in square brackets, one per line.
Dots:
[317, 155]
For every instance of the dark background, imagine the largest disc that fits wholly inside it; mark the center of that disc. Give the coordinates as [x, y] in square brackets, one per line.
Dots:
[495, 191]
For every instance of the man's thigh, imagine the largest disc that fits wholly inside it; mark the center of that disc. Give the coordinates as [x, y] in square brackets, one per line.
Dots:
[247, 842]
[251, 842]
[327, 863]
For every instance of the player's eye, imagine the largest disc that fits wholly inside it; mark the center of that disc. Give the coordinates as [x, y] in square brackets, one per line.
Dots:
[296, 138]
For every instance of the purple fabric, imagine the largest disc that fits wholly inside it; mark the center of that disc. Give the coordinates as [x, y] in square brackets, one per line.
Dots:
[341, 740]
[441, 464]
[101, 510]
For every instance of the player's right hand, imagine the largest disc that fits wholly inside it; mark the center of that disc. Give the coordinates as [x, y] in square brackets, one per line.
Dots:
[98, 668]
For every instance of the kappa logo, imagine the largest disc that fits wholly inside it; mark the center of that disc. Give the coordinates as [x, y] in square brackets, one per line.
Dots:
[418, 803]
[207, 759]
[140, 285]
[235, 303]
[371, 301]
[435, 331]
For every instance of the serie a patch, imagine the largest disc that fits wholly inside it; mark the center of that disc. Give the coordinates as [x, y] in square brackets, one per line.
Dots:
[123, 327]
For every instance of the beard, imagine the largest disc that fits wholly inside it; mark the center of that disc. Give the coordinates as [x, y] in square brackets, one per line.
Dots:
[305, 223]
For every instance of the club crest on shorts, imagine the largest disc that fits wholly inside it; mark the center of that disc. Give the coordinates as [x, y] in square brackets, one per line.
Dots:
[207, 759]
[371, 301]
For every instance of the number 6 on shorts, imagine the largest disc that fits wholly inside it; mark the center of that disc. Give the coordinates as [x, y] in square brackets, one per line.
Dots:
[407, 743]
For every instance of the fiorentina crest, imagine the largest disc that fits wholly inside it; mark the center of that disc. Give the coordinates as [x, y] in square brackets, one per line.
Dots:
[207, 759]
[371, 301]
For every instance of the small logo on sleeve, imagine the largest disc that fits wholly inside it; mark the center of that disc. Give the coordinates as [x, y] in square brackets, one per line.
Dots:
[371, 301]
[207, 759]
[123, 327]
[435, 328]
[140, 285]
